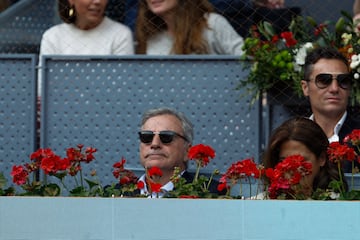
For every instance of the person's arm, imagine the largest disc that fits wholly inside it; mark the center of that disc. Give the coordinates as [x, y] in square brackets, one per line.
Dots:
[225, 39]
[270, 3]
[356, 16]
[356, 7]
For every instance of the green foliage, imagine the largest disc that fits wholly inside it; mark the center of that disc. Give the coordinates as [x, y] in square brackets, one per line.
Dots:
[274, 59]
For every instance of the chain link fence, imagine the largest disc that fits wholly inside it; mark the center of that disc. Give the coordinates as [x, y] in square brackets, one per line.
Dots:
[22, 23]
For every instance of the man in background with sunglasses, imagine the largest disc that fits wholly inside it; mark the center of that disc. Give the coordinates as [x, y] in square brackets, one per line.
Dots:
[327, 83]
[165, 139]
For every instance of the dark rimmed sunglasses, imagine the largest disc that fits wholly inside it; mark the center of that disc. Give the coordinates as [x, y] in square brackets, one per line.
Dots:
[165, 136]
[323, 80]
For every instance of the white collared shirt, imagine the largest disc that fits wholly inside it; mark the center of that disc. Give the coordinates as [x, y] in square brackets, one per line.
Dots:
[164, 189]
[335, 136]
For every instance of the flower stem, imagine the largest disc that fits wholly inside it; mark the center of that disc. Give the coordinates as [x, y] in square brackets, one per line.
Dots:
[241, 190]
[342, 190]
[352, 174]
[250, 185]
[197, 172]
[211, 178]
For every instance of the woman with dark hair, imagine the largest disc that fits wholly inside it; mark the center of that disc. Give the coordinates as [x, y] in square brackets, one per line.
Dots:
[184, 27]
[302, 136]
[86, 31]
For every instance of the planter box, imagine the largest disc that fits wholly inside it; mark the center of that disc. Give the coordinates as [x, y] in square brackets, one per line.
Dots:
[36, 218]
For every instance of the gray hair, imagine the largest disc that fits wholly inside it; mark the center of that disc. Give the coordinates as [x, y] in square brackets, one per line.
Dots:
[186, 125]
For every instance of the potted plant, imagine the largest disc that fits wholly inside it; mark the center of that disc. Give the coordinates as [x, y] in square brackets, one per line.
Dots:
[276, 60]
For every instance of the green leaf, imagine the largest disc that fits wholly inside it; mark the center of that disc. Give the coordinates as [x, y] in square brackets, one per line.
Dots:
[91, 183]
[339, 26]
[79, 192]
[2, 180]
[51, 190]
[312, 21]
[60, 175]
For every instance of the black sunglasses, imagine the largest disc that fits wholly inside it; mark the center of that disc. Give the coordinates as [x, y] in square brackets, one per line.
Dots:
[323, 80]
[165, 136]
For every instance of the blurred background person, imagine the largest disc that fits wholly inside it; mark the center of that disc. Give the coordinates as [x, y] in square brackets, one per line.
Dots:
[4, 4]
[184, 27]
[356, 15]
[86, 31]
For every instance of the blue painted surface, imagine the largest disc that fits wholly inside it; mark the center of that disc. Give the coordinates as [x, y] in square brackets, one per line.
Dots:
[30, 218]
[98, 101]
[17, 109]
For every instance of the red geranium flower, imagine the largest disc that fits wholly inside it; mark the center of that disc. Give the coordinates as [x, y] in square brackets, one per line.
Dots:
[286, 175]
[140, 185]
[125, 176]
[155, 187]
[19, 175]
[338, 152]
[201, 153]
[154, 171]
[289, 39]
[353, 137]
[243, 169]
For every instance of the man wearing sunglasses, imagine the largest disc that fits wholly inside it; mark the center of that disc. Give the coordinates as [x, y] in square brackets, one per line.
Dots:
[327, 83]
[165, 138]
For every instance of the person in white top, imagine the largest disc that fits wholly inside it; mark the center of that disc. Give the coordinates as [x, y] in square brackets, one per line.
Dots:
[86, 31]
[184, 27]
[356, 15]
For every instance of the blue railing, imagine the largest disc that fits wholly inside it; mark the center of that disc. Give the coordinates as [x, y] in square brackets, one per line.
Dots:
[98, 101]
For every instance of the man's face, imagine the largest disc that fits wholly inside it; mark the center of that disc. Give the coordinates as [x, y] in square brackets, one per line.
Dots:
[331, 100]
[166, 156]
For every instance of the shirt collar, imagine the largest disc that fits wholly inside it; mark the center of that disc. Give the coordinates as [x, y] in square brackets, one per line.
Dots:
[335, 137]
[169, 186]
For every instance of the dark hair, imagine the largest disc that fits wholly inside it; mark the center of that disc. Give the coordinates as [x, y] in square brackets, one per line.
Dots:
[313, 137]
[321, 53]
[63, 10]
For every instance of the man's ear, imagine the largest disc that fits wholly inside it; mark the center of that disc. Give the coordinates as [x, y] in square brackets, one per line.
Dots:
[187, 148]
[305, 87]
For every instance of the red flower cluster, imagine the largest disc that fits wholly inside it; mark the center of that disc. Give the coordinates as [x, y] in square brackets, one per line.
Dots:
[353, 138]
[51, 163]
[289, 39]
[239, 170]
[124, 176]
[286, 175]
[201, 153]
[19, 174]
[338, 152]
[153, 175]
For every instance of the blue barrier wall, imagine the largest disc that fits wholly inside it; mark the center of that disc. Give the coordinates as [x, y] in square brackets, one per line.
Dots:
[18, 109]
[170, 219]
[98, 102]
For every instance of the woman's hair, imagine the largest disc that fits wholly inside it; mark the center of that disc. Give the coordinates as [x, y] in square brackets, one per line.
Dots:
[190, 22]
[313, 137]
[63, 10]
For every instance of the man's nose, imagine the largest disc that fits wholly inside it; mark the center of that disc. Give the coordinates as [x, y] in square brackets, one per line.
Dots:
[334, 85]
[156, 142]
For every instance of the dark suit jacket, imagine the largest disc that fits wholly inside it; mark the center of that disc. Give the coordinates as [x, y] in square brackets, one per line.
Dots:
[350, 124]
[189, 177]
